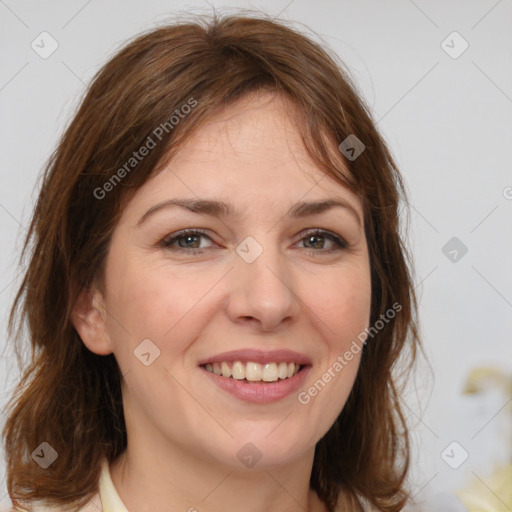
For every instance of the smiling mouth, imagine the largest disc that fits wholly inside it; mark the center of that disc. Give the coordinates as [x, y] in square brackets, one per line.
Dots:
[254, 372]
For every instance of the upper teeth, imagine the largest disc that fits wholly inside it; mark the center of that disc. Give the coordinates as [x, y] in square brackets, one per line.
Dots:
[268, 372]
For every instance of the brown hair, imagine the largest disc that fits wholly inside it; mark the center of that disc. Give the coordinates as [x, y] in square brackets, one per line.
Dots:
[70, 397]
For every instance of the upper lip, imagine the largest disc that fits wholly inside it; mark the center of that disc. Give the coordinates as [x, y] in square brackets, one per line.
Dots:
[259, 356]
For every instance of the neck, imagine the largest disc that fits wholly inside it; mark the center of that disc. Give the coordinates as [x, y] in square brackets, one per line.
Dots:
[171, 479]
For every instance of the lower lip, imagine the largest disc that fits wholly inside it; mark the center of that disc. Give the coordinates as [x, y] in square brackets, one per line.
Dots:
[260, 392]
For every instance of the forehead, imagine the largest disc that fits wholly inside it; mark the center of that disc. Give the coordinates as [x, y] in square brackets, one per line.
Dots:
[259, 120]
[247, 151]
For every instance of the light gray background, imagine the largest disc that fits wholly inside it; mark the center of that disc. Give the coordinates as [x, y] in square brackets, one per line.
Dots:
[449, 125]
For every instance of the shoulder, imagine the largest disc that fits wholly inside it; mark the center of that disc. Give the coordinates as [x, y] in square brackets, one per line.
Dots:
[439, 502]
[93, 505]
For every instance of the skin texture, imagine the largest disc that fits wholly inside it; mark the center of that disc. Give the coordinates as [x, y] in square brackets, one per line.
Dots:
[184, 432]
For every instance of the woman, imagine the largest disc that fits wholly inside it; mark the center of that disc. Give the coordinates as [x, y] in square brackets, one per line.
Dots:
[217, 294]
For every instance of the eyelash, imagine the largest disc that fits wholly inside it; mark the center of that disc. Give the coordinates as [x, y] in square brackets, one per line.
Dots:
[167, 242]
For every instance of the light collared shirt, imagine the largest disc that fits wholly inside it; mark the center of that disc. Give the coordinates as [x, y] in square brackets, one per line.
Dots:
[110, 500]
[105, 500]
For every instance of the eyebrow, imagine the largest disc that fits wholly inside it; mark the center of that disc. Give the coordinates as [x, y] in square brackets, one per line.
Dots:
[220, 208]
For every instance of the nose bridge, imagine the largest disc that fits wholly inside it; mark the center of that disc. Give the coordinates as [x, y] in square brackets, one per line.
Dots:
[262, 289]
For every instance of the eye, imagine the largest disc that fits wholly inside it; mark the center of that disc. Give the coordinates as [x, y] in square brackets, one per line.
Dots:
[189, 241]
[312, 237]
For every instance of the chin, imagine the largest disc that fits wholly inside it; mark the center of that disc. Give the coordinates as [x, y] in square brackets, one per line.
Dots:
[261, 451]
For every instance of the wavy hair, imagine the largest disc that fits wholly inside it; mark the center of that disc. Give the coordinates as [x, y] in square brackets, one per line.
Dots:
[70, 397]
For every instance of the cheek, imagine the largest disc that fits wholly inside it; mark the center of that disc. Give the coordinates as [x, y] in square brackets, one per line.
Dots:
[156, 302]
[341, 308]
[342, 303]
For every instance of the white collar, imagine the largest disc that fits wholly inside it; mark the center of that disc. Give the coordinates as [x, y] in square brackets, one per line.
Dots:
[110, 500]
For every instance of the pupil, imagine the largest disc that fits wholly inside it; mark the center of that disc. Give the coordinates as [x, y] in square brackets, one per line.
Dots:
[313, 237]
[187, 239]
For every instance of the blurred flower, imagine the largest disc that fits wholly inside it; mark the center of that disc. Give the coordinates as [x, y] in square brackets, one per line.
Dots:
[494, 493]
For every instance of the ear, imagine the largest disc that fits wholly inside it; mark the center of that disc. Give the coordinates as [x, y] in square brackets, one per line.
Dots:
[89, 319]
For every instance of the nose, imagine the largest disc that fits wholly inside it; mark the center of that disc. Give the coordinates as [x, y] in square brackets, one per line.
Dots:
[262, 291]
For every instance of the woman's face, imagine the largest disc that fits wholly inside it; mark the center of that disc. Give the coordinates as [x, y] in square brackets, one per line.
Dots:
[253, 282]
